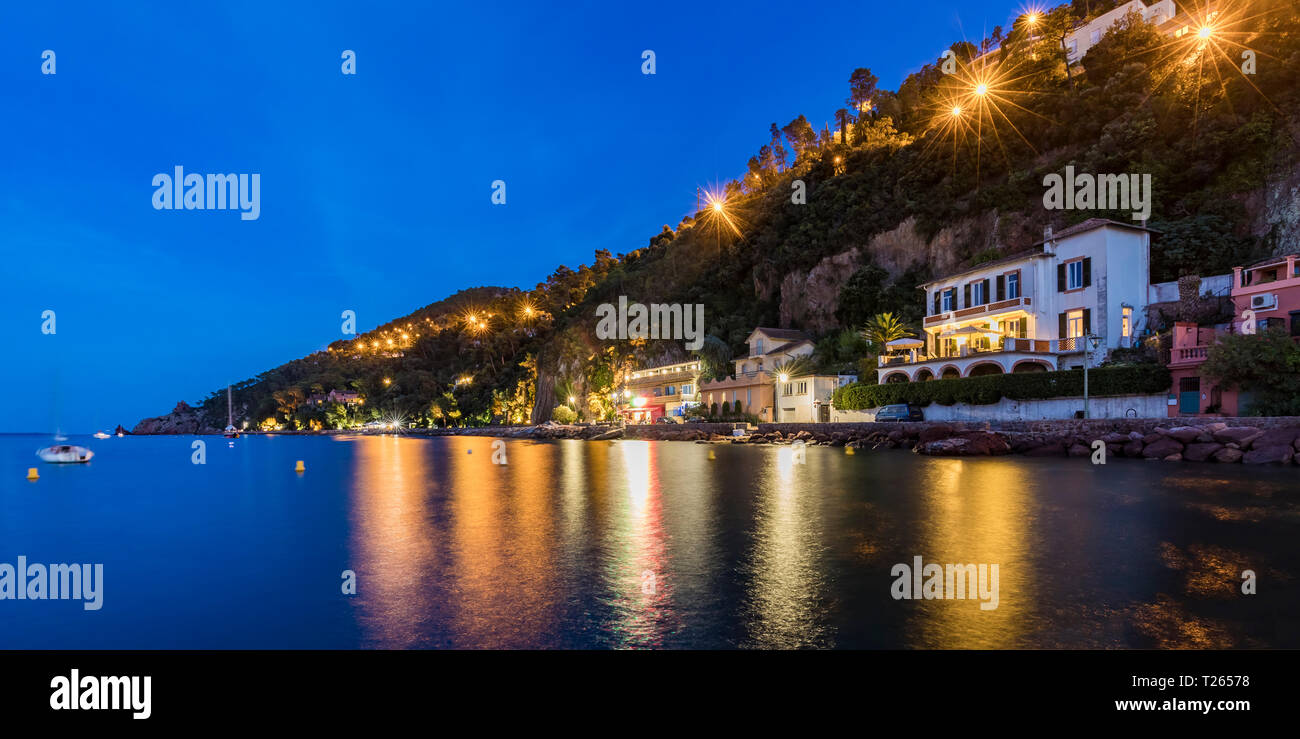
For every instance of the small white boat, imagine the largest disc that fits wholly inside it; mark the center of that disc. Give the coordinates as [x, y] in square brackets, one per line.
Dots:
[231, 431]
[65, 454]
[101, 435]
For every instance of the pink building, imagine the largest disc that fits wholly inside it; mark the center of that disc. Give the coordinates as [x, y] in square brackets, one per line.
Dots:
[1267, 292]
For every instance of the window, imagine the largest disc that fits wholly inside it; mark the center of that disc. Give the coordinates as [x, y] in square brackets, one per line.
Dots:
[801, 388]
[687, 389]
[1013, 285]
[949, 297]
[748, 399]
[1095, 37]
[1295, 323]
[1074, 324]
[1126, 322]
[1074, 275]
[788, 389]
[977, 293]
[758, 347]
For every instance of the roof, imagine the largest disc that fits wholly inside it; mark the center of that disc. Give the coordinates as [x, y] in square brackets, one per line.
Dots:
[1088, 225]
[1017, 257]
[1278, 259]
[1092, 224]
[782, 349]
[781, 333]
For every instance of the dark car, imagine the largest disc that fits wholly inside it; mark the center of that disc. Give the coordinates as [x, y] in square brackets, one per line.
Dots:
[900, 412]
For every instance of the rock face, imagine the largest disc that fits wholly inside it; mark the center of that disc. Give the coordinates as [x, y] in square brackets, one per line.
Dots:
[182, 420]
[1276, 437]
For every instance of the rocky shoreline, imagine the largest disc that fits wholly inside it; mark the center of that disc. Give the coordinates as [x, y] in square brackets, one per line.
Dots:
[1246, 441]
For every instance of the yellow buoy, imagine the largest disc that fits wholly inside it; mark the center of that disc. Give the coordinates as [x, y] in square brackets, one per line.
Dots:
[300, 467]
[849, 450]
[32, 474]
[712, 455]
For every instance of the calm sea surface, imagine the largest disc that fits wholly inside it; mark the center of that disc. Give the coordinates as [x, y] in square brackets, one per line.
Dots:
[639, 544]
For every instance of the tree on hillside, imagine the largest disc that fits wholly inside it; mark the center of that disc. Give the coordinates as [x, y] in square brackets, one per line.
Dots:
[862, 90]
[777, 149]
[1130, 40]
[799, 132]
[1057, 26]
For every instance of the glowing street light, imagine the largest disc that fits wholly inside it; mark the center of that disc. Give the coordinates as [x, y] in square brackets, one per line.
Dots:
[1205, 32]
[956, 111]
[784, 377]
[388, 381]
[981, 89]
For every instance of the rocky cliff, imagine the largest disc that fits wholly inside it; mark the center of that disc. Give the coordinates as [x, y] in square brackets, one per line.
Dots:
[182, 420]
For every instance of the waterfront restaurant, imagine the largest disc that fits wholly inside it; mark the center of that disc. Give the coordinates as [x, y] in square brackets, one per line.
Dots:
[654, 392]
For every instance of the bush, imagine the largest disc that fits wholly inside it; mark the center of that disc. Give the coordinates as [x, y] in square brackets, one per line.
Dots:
[737, 409]
[564, 414]
[989, 389]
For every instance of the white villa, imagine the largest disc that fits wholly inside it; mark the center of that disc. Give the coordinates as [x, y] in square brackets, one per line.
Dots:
[1087, 35]
[1031, 311]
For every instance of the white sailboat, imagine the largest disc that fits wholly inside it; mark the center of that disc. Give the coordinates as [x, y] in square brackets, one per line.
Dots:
[231, 431]
[101, 435]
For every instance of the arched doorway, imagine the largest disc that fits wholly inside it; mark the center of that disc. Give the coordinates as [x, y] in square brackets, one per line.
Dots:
[1029, 366]
[985, 368]
[895, 377]
[950, 373]
[924, 375]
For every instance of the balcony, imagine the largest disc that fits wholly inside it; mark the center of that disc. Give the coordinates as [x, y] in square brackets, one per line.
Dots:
[1001, 306]
[1005, 346]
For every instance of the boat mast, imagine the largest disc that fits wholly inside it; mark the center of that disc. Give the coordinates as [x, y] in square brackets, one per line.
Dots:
[230, 417]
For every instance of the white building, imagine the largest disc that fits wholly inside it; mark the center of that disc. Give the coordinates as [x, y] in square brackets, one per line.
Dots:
[1031, 311]
[1087, 35]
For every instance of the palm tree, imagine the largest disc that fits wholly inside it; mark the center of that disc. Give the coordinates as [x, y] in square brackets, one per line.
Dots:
[882, 329]
[782, 372]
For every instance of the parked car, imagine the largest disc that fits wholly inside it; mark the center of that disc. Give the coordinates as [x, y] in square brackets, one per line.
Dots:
[900, 412]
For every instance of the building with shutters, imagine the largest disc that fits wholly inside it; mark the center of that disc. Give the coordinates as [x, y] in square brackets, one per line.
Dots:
[1030, 312]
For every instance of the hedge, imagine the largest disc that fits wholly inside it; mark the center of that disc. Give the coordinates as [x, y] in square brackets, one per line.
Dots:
[1142, 379]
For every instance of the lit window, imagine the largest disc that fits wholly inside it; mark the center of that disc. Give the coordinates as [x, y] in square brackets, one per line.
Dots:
[948, 297]
[1074, 275]
[977, 295]
[1074, 324]
[1126, 322]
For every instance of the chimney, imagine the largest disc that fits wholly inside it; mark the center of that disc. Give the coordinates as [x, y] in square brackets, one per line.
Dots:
[1048, 246]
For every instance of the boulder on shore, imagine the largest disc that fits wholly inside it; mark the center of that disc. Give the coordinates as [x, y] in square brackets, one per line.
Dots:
[1228, 455]
[1162, 448]
[1201, 452]
[1277, 454]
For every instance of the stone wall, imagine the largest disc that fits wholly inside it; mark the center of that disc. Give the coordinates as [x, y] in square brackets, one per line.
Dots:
[1114, 406]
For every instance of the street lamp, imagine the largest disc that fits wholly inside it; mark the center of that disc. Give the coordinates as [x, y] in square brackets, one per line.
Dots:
[1091, 342]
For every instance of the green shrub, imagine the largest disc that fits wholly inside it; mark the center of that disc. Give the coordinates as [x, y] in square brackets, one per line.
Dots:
[564, 414]
[989, 389]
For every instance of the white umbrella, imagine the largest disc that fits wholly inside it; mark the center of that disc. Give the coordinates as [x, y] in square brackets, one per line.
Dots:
[904, 343]
[971, 331]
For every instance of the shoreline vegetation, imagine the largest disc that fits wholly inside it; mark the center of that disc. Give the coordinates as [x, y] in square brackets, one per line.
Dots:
[1236, 440]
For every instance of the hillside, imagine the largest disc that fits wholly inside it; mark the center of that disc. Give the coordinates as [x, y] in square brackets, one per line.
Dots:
[946, 171]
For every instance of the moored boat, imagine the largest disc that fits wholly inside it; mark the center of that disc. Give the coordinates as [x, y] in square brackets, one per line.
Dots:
[100, 435]
[65, 454]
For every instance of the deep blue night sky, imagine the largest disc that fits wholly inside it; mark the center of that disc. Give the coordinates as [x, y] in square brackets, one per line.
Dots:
[375, 188]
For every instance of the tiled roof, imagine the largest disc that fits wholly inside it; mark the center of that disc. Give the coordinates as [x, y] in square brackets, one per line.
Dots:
[1090, 224]
[782, 333]
[787, 347]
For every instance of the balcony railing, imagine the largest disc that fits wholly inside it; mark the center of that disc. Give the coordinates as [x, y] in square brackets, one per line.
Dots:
[1006, 345]
[977, 310]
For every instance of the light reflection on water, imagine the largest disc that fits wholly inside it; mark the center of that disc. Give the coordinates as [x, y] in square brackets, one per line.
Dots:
[637, 544]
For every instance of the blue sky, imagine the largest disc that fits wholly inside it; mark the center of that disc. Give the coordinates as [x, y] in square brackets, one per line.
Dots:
[375, 188]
